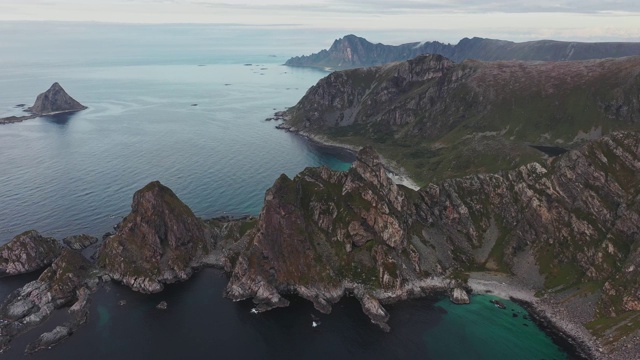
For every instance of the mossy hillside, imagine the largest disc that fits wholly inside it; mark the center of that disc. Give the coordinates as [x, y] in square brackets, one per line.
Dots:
[476, 117]
[610, 330]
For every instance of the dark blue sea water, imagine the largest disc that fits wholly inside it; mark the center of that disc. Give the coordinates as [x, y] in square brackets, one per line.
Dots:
[186, 105]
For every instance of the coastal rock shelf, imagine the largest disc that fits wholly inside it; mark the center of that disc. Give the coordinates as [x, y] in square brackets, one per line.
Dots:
[325, 234]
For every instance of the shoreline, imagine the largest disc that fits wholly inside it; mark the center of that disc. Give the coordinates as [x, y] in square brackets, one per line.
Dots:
[564, 332]
[395, 172]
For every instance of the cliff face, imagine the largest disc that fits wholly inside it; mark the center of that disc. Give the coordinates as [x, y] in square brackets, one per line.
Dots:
[352, 52]
[440, 120]
[27, 252]
[326, 233]
[160, 241]
[55, 100]
[65, 282]
[577, 217]
[554, 225]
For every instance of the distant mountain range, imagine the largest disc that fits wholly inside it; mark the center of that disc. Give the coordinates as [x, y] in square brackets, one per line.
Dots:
[352, 51]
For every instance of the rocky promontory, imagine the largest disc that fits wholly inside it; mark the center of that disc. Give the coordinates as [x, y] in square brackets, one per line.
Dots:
[159, 242]
[325, 234]
[555, 226]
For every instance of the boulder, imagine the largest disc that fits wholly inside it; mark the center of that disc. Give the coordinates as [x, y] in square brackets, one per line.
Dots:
[459, 296]
[80, 242]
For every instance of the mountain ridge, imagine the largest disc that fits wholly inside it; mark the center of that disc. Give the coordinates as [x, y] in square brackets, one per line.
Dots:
[352, 51]
[439, 119]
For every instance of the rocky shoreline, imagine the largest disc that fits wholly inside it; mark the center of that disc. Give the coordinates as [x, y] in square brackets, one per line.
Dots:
[565, 332]
[325, 234]
[395, 172]
[552, 314]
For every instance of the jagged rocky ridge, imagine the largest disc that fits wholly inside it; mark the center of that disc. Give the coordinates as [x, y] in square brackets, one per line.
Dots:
[325, 234]
[353, 52]
[439, 119]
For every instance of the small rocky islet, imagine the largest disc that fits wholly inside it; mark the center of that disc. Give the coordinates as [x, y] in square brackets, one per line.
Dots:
[325, 234]
[51, 102]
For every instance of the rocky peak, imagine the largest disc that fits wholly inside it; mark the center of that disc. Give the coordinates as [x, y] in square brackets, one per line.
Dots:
[352, 51]
[158, 242]
[27, 252]
[55, 100]
[324, 231]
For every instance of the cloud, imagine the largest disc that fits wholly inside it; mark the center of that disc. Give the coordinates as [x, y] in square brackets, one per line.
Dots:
[508, 19]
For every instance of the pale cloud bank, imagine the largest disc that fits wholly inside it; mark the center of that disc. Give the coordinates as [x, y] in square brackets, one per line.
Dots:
[586, 20]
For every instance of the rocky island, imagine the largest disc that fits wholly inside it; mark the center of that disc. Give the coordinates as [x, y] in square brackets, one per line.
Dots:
[51, 102]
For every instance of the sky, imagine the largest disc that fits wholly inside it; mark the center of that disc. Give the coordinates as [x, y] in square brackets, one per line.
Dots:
[395, 21]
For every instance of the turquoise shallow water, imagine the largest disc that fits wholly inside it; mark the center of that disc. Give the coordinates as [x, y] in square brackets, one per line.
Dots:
[199, 323]
[480, 330]
[77, 173]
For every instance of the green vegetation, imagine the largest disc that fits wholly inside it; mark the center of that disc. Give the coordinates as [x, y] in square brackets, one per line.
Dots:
[247, 225]
[480, 120]
[559, 273]
[495, 260]
[611, 330]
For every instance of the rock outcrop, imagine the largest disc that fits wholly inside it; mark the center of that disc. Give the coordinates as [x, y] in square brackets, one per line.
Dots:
[352, 52]
[440, 120]
[49, 339]
[54, 101]
[80, 242]
[159, 242]
[326, 233]
[64, 283]
[459, 296]
[27, 252]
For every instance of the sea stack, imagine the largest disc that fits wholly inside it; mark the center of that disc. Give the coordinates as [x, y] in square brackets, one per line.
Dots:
[158, 242]
[55, 101]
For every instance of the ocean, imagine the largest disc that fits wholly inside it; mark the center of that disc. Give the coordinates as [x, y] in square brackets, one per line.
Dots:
[186, 105]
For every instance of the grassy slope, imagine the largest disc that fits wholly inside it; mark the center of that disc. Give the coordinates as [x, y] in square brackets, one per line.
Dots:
[489, 118]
